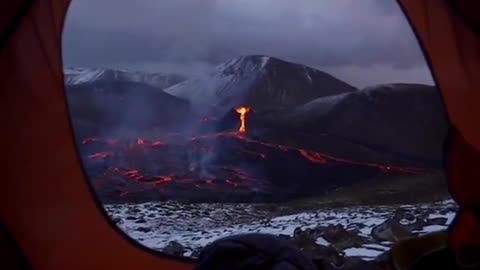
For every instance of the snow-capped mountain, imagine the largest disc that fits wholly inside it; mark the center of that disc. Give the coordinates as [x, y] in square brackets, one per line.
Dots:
[260, 82]
[76, 76]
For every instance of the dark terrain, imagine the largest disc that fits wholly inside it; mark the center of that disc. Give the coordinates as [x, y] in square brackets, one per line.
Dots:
[308, 134]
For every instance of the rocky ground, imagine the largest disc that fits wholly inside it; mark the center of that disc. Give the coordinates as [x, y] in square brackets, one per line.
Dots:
[348, 234]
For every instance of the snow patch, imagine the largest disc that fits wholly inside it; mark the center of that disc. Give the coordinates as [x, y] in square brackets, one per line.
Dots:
[362, 252]
[433, 228]
[156, 224]
[322, 242]
[265, 60]
[377, 246]
[82, 75]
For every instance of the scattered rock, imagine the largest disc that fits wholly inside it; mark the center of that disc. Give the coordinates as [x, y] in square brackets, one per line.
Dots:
[151, 215]
[174, 248]
[285, 236]
[403, 214]
[265, 222]
[341, 239]
[196, 252]
[444, 211]
[437, 221]
[297, 232]
[117, 220]
[141, 221]
[131, 218]
[452, 208]
[144, 229]
[391, 231]
[328, 257]
[358, 225]
[418, 225]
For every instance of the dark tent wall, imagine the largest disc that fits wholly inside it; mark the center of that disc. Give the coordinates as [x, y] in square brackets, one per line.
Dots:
[448, 34]
[45, 201]
[48, 207]
[453, 49]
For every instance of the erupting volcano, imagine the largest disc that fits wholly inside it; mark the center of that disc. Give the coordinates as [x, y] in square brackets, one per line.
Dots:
[243, 111]
[310, 135]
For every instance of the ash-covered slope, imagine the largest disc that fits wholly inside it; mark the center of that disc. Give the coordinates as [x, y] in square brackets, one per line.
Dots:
[76, 76]
[260, 82]
[106, 107]
[403, 120]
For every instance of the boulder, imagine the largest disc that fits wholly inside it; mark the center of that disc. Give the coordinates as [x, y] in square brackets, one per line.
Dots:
[341, 239]
[196, 253]
[141, 221]
[403, 214]
[437, 221]
[419, 224]
[174, 248]
[391, 230]
[144, 229]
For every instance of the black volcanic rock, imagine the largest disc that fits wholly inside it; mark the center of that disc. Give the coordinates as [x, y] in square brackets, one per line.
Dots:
[174, 248]
[395, 123]
[259, 82]
[285, 84]
[103, 107]
[221, 167]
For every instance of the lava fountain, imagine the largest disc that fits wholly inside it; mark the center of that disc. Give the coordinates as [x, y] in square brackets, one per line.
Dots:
[243, 111]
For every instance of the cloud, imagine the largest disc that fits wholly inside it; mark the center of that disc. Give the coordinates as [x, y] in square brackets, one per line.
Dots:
[329, 34]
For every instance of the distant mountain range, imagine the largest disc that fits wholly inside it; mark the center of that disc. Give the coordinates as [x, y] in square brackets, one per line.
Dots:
[78, 76]
[291, 103]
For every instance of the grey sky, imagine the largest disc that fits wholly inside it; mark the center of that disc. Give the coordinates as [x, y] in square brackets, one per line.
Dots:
[362, 42]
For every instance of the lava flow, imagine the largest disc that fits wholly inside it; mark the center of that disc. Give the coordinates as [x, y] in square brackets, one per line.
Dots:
[218, 163]
[243, 111]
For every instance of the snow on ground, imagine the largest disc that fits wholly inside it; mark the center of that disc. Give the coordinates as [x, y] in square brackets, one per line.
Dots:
[364, 253]
[156, 224]
[322, 242]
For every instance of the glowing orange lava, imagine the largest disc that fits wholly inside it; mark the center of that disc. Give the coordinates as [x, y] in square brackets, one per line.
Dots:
[100, 156]
[243, 111]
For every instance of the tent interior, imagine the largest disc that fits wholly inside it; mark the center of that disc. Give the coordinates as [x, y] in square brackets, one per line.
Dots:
[50, 217]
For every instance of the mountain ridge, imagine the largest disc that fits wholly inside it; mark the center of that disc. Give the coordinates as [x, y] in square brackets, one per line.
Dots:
[81, 75]
[261, 82]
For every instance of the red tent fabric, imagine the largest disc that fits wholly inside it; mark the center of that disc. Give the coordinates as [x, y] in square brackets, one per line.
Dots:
[51, 212]
[447, 31]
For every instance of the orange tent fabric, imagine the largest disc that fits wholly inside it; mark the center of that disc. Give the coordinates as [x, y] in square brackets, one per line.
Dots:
[448, 34]
[453, 49]
[50, 209]
[45, 201]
